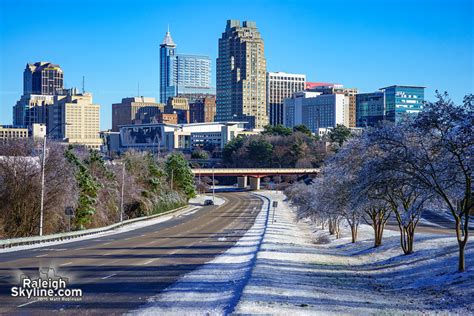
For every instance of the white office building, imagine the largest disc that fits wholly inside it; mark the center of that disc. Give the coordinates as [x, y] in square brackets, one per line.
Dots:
[280, 86]
[316, 110]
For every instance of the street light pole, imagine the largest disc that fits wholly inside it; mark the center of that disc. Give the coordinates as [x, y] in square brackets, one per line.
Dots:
[121, 194]
[213, 184]
[42, 186]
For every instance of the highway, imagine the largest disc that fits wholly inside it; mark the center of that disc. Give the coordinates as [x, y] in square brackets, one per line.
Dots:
[117, 273]
[430, 222]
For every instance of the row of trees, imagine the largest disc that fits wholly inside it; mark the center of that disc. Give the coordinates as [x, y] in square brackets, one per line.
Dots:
[78, 178]
[276, 146]
[399, 170]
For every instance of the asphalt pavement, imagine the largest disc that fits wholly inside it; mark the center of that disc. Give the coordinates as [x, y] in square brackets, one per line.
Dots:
[117, 273]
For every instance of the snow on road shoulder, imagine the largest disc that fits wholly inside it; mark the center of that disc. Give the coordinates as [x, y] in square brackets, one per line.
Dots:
[301, 270]
[215, 287]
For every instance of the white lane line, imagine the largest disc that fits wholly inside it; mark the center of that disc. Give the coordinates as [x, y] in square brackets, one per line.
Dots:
[27, 303]
[127, 238]
[107, 243]
[79, 248]
[109, 276]
[65, 264]
[149, 261]
[106, 254]
[43, 255]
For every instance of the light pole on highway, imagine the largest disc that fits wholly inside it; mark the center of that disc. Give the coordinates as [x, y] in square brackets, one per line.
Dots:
[43, 163]
[121, 194]
[213, 184]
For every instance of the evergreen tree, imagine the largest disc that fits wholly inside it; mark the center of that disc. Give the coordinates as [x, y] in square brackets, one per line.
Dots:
[180, 174]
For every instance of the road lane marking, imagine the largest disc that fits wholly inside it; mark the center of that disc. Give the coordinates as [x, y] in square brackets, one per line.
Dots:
[43, 255]
[51, 249]
[79, 248]
[65, 264]
[109, 276]
[106, 254]
[27, 303]
[107, 243]
[149, 261]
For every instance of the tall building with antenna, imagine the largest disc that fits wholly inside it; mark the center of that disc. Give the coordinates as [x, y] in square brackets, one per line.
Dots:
[182, 73]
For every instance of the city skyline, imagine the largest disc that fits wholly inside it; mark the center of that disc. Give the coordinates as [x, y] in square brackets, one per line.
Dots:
[436, 52]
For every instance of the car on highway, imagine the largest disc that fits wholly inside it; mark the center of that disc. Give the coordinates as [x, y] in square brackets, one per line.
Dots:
[208, 202]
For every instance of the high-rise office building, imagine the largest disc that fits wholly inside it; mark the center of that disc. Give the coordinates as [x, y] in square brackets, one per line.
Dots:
[280, 86]
[168, 68]
[390, 103]
[43, 78]
[31, 109]
[339, 89]
[135, 110]
[41, 81]
[74, 118]
[316, 110]
[182, 74]
[401, 101]
[241, 75]
[370, 108]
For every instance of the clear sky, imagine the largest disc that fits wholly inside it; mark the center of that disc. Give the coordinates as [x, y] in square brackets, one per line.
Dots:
[360, 43]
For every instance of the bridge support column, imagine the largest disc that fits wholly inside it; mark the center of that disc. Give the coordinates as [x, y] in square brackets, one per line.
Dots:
[254, 183]
[242, 182]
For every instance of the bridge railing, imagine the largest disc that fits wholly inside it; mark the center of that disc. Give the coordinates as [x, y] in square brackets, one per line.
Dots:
[244, 171]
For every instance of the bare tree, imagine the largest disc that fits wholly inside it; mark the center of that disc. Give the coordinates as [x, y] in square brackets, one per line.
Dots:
[20, 188]
[444, 159]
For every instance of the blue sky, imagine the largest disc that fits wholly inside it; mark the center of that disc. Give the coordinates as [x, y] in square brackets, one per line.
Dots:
[361, 43]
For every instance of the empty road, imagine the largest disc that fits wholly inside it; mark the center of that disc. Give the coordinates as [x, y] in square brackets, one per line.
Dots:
[117, 273]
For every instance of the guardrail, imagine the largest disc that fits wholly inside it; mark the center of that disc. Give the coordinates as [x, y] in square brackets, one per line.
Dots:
[8, 243]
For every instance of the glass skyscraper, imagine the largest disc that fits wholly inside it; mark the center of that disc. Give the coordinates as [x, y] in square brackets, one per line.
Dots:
[370, 108]
[401, 101]
[389, 104]
[182, 74]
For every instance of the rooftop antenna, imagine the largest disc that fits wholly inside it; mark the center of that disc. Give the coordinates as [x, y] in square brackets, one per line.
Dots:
[138, 89]
[168, 27]
[83, 91]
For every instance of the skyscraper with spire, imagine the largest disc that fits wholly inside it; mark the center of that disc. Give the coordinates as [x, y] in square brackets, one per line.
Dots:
[182, 74]
[167, 68]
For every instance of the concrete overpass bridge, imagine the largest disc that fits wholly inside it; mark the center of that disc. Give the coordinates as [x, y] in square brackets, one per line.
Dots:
[252, 174]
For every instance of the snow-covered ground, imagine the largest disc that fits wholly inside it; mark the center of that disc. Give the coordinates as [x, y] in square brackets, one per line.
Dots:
[300, 269]
[286, 267]
[216, 287]
[194, 206]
